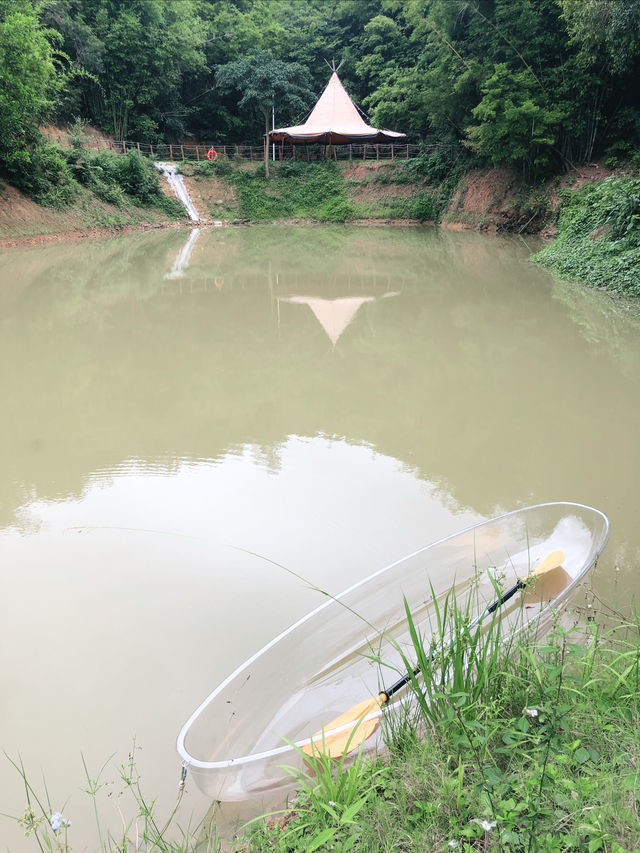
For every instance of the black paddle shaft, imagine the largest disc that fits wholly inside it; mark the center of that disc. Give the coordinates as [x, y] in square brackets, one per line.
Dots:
[401, 682]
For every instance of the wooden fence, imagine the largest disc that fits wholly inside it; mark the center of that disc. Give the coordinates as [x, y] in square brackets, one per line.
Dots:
[365, 151]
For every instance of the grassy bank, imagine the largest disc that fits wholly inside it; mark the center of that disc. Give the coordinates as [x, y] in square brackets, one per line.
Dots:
[599, 236]
[326, 191]
[530, 748]
[516, 746]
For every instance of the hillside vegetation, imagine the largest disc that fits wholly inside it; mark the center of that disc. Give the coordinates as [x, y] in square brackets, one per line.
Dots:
[538, 85]
[537, 88]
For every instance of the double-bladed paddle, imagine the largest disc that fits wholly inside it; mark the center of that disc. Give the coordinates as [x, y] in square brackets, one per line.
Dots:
[351, 729]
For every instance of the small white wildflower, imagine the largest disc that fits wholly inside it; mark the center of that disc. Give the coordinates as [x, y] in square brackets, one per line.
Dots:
[485, 824]
[531, 712]
[453, 844]
[57, 821]
[331, 803]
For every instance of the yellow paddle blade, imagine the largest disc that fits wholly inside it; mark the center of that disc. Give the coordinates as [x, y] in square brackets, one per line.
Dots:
[552, 561]
[334, 743]
[547, 580]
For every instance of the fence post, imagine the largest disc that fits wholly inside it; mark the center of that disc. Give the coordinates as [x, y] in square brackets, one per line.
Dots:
[170, 152]
[364, 151]
[138, 146]
[236, 150]
[224, 150]
[197, 153]
[124, 147]
[182, 152]
[407, 152]
[392, 151]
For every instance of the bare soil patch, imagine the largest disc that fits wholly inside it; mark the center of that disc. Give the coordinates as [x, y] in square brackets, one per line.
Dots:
[21, 216]
[62, 136]
[497, 200]
[23, 222]
[380, 192]
[360, 170]
[211, 197]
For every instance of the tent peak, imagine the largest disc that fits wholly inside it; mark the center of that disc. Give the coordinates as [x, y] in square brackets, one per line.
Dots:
[332, 65]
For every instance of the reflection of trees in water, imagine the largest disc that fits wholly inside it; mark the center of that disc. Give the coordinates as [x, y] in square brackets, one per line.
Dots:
[471, 376]
[605, 320]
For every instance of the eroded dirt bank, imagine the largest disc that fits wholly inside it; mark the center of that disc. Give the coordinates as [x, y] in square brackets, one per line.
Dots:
[488, 199]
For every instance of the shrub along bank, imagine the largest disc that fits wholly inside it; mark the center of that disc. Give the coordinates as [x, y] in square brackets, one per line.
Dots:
[599, 235]
[88, 190]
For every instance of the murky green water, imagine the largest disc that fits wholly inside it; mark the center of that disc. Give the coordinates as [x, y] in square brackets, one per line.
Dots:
[331, 398]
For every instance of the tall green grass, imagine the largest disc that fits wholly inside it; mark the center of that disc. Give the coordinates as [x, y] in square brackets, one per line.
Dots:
[516, 746]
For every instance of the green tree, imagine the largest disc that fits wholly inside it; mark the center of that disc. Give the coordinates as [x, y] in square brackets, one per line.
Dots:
[29, 82]
[265, 81]
[517, 125]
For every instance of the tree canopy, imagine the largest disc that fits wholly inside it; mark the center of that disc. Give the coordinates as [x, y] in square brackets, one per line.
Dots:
[537, 84]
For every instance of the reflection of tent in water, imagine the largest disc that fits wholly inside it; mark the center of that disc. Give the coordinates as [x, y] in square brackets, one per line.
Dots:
[334, 315]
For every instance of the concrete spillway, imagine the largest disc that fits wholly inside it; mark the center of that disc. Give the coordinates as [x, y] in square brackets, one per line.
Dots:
[176, 182]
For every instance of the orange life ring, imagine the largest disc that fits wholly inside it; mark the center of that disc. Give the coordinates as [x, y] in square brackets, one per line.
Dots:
[212, 154]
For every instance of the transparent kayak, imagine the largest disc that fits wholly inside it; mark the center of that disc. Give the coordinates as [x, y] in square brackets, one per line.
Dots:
[240, 740]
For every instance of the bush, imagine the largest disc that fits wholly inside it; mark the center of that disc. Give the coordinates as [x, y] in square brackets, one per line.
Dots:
[599, 236]
[207, 168]
[336, 210]
[43, 173]
[116, 178]
[424, 207]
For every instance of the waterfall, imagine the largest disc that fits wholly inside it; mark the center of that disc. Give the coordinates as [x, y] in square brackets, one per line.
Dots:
[176, 182]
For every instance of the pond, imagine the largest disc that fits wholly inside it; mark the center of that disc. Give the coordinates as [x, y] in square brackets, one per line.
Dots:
[201, 428]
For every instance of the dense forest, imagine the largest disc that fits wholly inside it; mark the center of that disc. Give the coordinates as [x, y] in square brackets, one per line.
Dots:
[540, 85]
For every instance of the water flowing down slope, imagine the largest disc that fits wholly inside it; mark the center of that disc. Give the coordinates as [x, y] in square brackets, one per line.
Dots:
[176, 182]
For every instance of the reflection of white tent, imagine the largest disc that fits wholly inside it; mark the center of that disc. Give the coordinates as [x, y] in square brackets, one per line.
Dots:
[334, 315]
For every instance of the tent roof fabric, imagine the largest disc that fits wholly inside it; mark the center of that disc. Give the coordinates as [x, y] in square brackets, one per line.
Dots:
[334, 120]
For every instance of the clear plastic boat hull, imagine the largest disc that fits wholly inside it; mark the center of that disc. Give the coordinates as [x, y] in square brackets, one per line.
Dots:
[240, 738]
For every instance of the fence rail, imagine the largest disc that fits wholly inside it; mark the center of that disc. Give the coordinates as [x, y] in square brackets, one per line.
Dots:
[364, 151]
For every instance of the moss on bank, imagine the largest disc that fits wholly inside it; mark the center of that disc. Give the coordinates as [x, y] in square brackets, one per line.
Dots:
[599, 236]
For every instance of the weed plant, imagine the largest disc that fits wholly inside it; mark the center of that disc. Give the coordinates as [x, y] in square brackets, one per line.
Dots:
[51, 831]
[54, 177]
[599, 235]
[519, 747]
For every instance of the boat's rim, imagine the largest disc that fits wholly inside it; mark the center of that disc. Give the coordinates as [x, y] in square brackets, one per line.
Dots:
[194, 762]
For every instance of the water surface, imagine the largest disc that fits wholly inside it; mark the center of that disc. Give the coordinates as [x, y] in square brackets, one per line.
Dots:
[186, 413]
